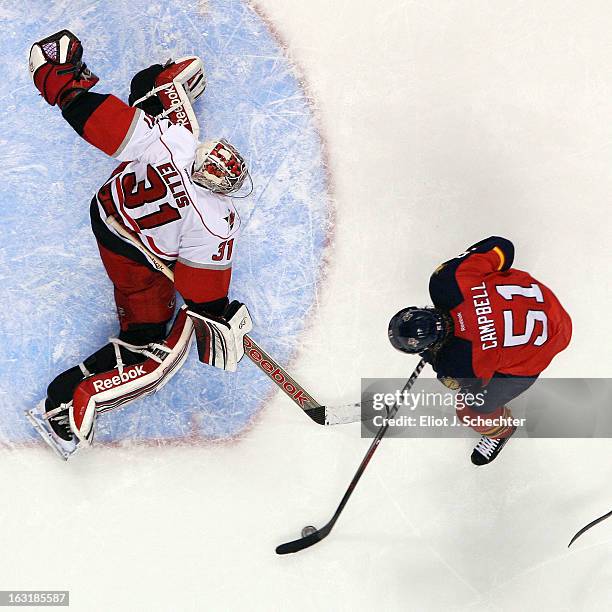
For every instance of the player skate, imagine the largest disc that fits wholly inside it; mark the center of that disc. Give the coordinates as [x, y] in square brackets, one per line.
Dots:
[493, 328]
[488, 448]
[170, 191]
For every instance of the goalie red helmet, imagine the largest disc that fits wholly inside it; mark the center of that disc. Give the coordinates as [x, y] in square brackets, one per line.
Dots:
[219, 167]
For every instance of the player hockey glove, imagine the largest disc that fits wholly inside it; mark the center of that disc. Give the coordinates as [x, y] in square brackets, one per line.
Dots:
[220, 338]
[57, 69]
[175, 86]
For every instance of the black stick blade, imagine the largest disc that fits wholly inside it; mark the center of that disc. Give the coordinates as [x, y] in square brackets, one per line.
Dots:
[302, 543]
[587, 527]
[318, 414]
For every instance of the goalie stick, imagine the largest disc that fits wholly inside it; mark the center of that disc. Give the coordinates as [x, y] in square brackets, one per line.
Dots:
[310, 537]
[320, 414]
[587, 527]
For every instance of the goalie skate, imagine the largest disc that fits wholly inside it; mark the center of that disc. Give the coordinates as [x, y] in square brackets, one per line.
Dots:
[63, 448]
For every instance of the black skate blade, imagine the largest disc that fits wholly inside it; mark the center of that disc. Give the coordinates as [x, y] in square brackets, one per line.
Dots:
[478, 459]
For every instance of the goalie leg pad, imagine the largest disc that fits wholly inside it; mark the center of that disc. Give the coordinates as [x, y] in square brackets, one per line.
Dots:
[124, 384]
[51, 417]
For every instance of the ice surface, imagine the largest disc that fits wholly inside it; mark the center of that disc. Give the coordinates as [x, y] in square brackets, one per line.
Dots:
[443, 122]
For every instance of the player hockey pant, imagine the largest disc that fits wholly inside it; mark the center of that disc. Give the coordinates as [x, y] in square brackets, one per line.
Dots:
[502, 389]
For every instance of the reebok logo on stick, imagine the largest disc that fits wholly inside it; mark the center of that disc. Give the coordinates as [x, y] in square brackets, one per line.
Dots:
[275, 373]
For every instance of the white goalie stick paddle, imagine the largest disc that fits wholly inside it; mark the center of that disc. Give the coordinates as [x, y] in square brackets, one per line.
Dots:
[323, 415]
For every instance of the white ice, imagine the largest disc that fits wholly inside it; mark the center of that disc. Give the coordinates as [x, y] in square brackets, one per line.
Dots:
[445, 122]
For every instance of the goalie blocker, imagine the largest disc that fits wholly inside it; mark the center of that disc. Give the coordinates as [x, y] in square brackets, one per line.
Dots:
[220, 339]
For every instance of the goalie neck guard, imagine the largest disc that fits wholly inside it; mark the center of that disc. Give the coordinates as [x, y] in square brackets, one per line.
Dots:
[219, 167]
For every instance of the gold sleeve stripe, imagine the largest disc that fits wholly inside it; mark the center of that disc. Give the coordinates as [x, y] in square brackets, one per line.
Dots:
[502, 259]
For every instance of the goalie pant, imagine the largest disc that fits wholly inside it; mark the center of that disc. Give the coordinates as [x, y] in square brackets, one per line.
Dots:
[110, 389]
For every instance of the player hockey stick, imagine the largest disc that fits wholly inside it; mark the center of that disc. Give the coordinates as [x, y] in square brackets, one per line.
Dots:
[311, 535]
[322, 415]
[587, 527]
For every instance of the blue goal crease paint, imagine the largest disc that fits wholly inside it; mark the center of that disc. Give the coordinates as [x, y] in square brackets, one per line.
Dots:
[58, 302]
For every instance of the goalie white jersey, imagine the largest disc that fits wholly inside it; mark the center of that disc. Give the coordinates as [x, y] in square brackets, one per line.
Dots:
[152, 193]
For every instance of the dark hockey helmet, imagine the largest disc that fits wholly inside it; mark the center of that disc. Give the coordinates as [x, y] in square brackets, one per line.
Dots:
[413, 330]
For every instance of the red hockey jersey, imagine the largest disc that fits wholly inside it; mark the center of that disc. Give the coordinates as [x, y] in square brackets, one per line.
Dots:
[505, 320]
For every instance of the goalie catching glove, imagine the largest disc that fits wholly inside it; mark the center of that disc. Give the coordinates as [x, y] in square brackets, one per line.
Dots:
[220, 339]
[57, 69]
[170, 90]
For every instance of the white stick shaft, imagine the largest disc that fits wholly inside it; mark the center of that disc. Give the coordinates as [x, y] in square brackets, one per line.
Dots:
[121, 229]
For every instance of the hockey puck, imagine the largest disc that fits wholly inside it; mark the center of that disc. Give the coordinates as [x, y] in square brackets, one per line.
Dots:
[308, 530]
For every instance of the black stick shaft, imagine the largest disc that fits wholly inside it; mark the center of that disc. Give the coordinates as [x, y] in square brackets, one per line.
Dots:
[375, 443]
[300, 544]
[587, 527]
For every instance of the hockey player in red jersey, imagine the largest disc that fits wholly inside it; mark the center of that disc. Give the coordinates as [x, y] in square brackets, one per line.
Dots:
[492, 328]
[172, 192]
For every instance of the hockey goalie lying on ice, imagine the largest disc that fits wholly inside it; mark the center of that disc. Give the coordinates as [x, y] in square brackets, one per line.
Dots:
[173, 193]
